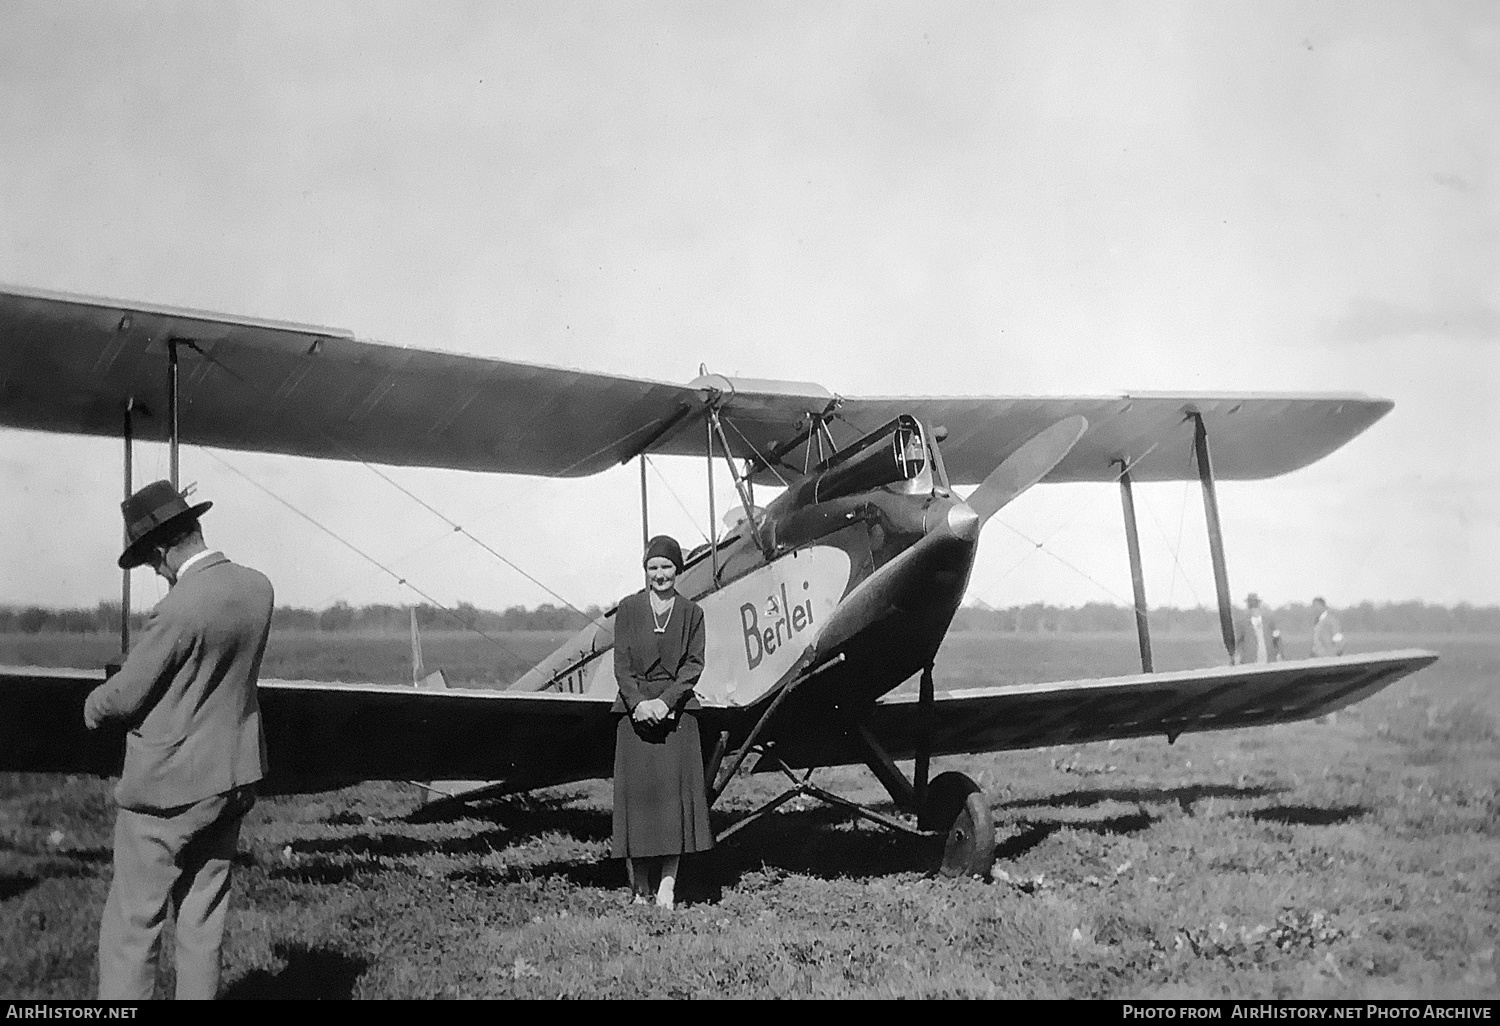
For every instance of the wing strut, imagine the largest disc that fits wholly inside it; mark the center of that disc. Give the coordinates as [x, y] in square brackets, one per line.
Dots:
[742, 486]
[129, 428]
[1137, 576]
[172, 407]
[172, 449]
[645, 511]
[713, 524]
[128, 434]
[1215, 533]
[923, 762]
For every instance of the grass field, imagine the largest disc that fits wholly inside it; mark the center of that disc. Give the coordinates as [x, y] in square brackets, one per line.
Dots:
[1353, 858]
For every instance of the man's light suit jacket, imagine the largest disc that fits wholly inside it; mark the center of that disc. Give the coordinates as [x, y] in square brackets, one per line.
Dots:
[187, 689]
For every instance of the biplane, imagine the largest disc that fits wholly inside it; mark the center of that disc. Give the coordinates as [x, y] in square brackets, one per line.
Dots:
[819, 604]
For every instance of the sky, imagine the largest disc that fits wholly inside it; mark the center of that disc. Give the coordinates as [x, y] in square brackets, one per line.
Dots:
[885, 198]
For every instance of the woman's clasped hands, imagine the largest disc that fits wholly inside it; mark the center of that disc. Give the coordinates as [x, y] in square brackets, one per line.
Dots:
[650, 711]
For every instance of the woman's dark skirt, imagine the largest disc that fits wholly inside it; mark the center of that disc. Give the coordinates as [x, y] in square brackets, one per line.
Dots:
[661, 807]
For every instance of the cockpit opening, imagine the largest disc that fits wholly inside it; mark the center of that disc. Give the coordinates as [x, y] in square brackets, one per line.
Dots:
[895, 454]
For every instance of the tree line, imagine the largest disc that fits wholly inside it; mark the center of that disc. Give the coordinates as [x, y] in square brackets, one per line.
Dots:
[1095, 617]
[340, 617]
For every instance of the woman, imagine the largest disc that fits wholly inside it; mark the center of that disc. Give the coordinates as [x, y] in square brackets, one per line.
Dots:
[661, 809]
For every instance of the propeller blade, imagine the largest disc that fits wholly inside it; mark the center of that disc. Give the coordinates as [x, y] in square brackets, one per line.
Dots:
[1027, 465]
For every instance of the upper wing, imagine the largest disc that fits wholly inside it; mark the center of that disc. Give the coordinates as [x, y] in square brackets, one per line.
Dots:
[1142, 705]
[1250, 436]
[320, 736]
[71, 364]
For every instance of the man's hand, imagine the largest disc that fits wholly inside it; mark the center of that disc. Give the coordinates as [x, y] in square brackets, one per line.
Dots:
[92, 717]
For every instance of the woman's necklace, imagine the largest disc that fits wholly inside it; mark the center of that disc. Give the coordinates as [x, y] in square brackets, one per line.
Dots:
[659, 624]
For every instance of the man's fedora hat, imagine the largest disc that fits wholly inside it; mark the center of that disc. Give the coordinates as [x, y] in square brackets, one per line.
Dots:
[150, 514]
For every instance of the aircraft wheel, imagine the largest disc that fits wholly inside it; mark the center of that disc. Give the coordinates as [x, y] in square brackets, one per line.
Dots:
[957, 806]
[946, 795]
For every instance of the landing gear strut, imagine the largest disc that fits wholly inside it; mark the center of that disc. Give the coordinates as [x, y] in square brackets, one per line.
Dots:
[950, 810]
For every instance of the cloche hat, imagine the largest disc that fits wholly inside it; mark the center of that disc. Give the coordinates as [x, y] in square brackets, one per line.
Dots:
[666, 546]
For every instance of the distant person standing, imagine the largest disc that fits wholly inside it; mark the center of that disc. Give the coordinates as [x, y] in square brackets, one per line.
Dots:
[1328, 635]
[661, 805]
[1257, 639]
[194, 751]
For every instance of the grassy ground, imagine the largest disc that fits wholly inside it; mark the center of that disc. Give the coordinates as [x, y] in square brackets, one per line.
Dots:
[1356, 858]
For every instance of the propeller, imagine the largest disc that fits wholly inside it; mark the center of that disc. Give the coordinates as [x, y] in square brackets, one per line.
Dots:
[1026, 466]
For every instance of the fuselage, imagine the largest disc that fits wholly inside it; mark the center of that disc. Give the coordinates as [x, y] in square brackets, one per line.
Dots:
[866, 558]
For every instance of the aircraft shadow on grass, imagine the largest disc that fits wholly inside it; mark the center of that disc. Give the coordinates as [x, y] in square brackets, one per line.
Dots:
[325, 873]
[71, 865]
[815, 841]
[15, 886]
[1183, 797]
[1033, 832]
[1309, 815]
[1030, 834]
[309, 973]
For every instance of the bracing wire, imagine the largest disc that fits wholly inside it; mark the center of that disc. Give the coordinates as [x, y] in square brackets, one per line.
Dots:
[477, 541]
[1177, 548]
[1089, 506]
[337, 592]
[580, 461]
[754, 451]
[680, 504]
[397, 485]
[512, 501]
[1041, 546]
[1177, 568]
[366, 556]
[840, 415]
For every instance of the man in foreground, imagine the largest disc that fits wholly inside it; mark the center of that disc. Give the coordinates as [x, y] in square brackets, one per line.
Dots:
[193, 754]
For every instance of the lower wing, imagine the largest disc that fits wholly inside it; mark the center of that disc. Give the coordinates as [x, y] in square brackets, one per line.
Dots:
[320, 736]
[1020, 716]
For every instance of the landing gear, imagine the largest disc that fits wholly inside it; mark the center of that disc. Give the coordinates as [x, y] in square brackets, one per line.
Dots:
[957, 811]
[950, 810]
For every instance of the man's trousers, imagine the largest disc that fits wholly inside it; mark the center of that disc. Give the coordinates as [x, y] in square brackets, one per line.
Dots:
[170, 859]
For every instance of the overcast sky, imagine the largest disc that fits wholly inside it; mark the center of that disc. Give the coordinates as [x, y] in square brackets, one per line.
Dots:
[884, 198]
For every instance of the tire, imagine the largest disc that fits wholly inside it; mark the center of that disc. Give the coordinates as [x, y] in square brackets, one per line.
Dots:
[970, 846]
[946, 795]
[957, 808]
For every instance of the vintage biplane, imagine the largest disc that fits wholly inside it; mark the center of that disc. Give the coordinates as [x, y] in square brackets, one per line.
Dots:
[818, 605]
